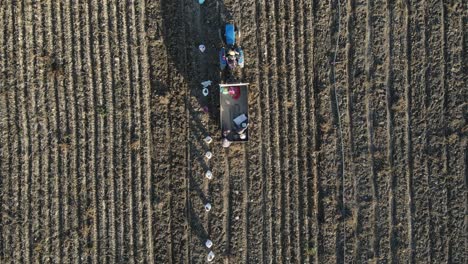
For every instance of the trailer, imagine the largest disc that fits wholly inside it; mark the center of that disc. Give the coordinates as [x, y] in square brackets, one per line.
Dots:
[234, 111]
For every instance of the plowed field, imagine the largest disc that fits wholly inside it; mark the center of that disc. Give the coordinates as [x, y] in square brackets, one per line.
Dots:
[357, 154]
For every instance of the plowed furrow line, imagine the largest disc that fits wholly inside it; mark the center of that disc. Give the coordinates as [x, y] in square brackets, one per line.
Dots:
[25, 101]
[227, 204]
[160, 133]
[146, 123]
[407, 131]
[251, 217]
[136, 134]
[21, 123]
[98, 54]
[128, 240]
[417, 115]
[396, 112]
[44, 97]
[311, 244]
[389, 93]
[379, 130]
[262, 104]
[12, 143]
[3, 135]
[272, 171]
[116, 111]
[456, 142]
[82, 161]
[54, 161]
[360, 161]
[338, 13]
[352, 242]
[327, 210]
[107, 108]
[290, 150]
[65, 135]
[255, 184]
[300, 188]
[279, 142]
[39, 183]
[435, 138]
[94, 151]
[70, 52]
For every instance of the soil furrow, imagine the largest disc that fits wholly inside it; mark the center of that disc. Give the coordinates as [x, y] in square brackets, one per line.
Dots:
[128, 240]
[290, 133]
[407, 130]
[4, 143]
[379, 130]
[419, 184]
[276, 234]
[158, 55]
[101, 173]
[311, 247]
[146, 122]
[435, 138]
[93, 149]
[455, 137]
[298, 18]
[28, 155]
[396, 109]
[389, 93]
[107, 41]
[327, 203]
[361, 161]
[136, 135]
[71, 56]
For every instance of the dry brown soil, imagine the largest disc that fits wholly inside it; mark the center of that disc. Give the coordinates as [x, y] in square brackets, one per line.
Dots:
[359, 161]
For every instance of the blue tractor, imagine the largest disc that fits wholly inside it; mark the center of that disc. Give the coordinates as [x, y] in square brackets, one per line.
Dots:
[231, 57]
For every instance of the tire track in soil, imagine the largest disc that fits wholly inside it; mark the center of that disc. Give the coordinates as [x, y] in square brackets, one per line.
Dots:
[389, 93]
[3, 135]
[327, 210]
[418, 117]
[435, 141]
[397, 156]
[455, 139]
[177, 114]
[197, 166]
[160, 126]
[359, 160]
[378, 130]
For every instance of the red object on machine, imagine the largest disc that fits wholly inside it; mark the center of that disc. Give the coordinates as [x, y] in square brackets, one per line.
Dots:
[235, 92]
